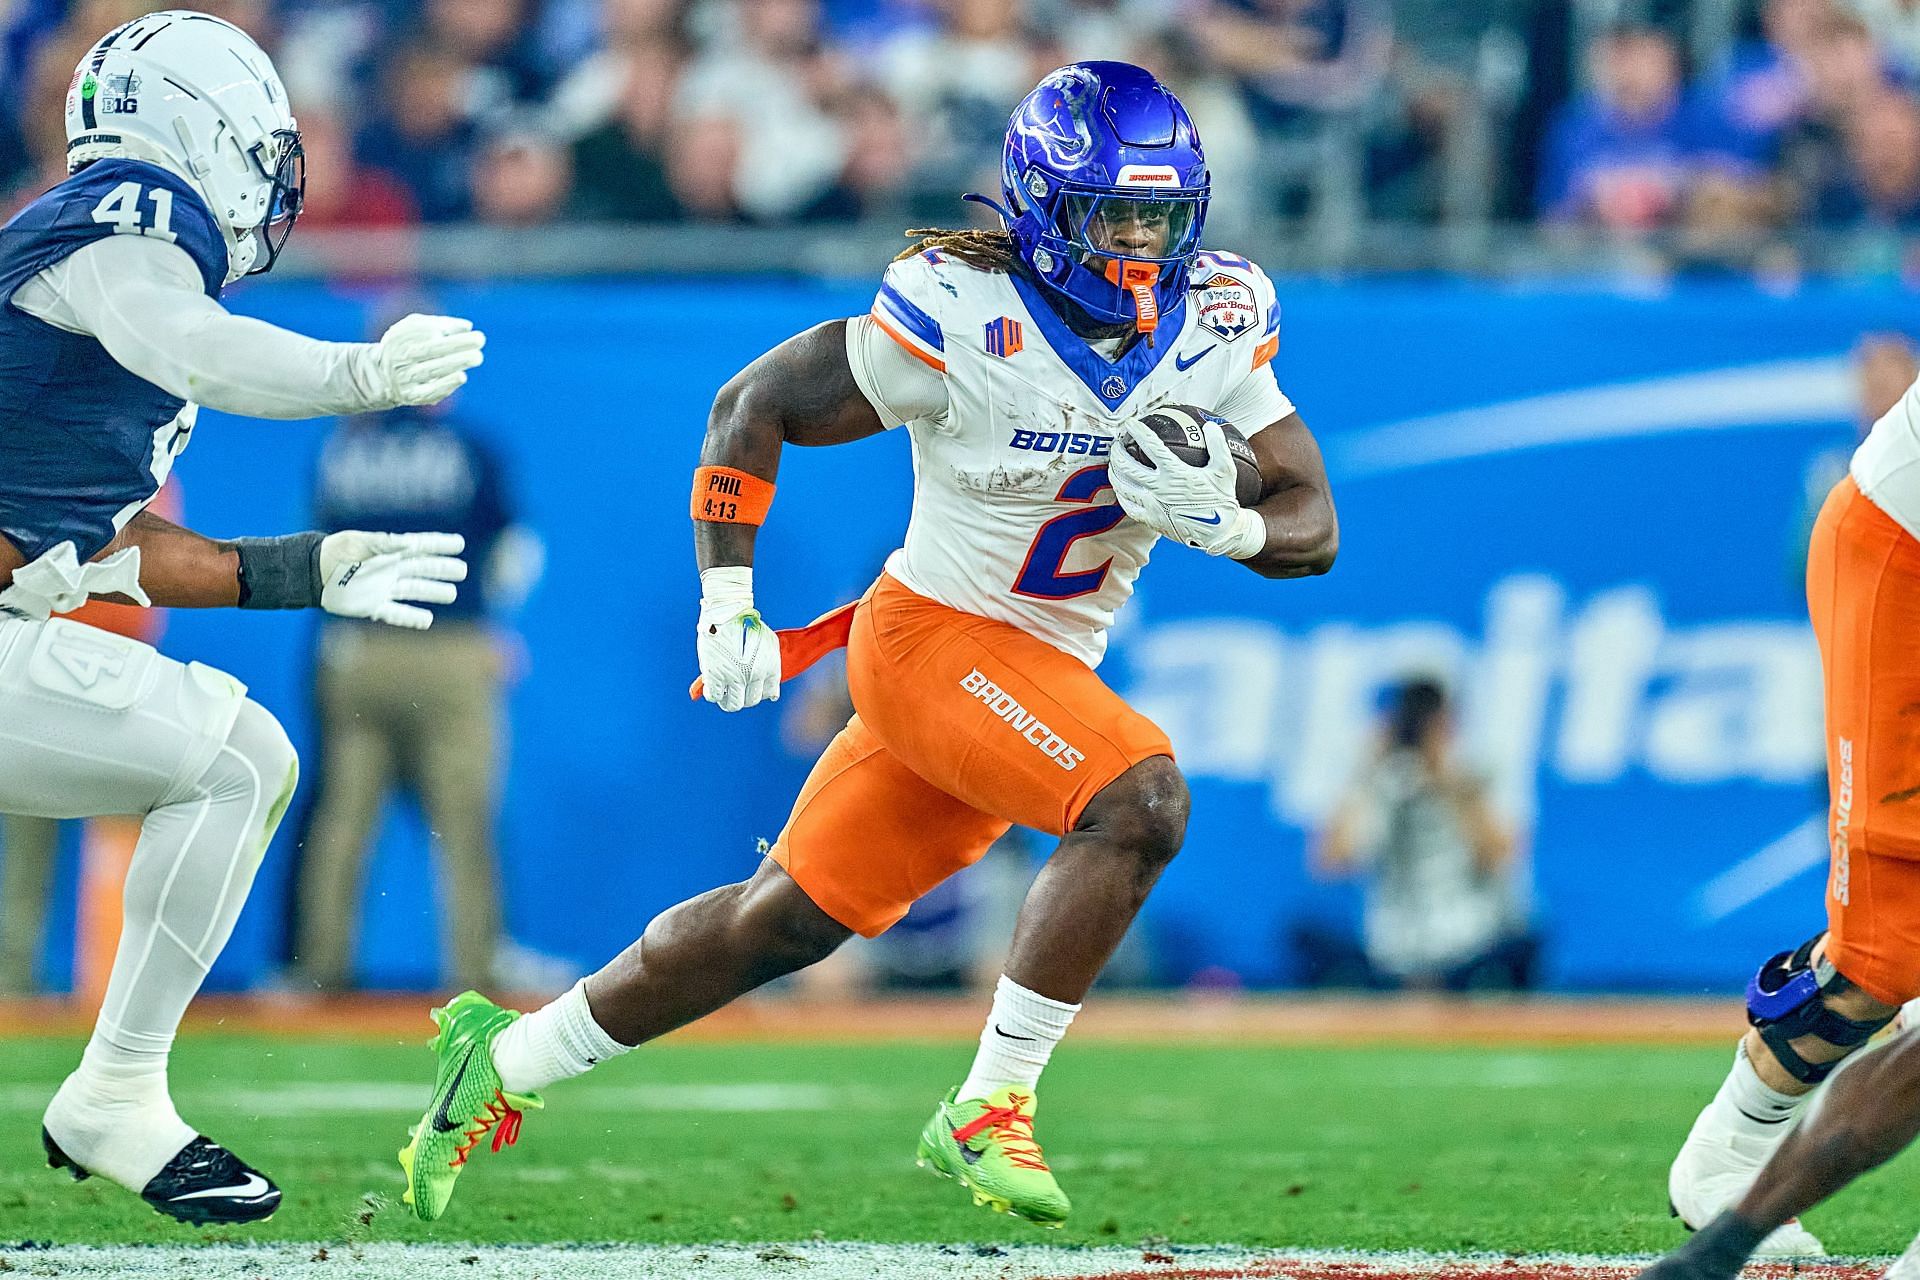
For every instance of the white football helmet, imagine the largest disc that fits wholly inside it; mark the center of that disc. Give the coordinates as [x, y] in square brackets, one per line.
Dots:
[195, 95]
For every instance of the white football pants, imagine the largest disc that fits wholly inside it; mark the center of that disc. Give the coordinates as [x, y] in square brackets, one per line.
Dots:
[93, 723]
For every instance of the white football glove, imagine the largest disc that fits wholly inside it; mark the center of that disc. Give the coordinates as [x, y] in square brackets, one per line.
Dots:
[1194, 505]
[372, 575]
[424, 359]
[739, 653]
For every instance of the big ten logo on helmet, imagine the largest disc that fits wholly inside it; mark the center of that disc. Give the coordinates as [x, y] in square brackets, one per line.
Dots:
[1226, 306]
[122, 96]
[1023, 721]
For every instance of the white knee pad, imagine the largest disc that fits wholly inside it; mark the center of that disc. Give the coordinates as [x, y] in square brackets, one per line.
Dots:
[257, 761]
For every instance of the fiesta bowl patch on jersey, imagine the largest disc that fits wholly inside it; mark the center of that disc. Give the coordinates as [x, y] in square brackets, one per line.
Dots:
[1225, 305]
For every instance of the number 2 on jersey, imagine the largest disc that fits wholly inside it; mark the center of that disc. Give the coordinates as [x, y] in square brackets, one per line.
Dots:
[1041, 576]
[121, 207]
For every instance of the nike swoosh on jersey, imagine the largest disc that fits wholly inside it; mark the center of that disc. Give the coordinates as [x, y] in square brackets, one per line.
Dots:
[440, 1122]
[1197, 520]
[253, 1186]
[1183, 365]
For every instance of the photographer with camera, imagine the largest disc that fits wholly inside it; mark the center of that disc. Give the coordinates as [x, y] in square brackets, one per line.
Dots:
[1442, 911]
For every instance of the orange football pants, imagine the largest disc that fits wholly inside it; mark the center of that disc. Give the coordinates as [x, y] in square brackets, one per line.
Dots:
[1863, 590]
[962, 727]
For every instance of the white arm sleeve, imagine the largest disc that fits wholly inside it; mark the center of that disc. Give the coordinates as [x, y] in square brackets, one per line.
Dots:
[899, 387]
[1256, 402]
[143, 300]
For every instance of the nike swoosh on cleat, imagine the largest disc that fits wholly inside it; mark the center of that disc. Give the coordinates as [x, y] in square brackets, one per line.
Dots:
[253, 1186]
[1197, 520]
[968, 1154]
[997, 1031]
[440, 1122]
[1184, 365]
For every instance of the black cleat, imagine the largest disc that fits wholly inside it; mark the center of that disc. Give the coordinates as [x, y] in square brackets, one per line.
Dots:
[204, 1184]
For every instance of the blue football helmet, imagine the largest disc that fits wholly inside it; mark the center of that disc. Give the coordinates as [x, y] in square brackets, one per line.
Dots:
[1106, 190]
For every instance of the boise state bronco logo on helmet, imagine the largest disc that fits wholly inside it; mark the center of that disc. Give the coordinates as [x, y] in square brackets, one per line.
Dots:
[1106, 190]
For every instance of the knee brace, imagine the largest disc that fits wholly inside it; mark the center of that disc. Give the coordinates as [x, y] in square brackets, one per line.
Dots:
[1787, 1000]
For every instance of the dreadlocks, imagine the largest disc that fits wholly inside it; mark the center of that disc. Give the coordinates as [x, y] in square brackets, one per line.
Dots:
[987, 250]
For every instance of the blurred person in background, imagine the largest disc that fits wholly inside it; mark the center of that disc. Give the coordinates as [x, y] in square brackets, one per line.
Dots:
[1441, 907]
[522, 180]
[620, 167]
[703, 157]
[425, 130]
[493, 38]
[1846, 75]
[1299, 56]
[1618, 157]
[423, 715]
[956, 82]
[342, 192]
[1880, 189]
[875, 179]
[1766, 85]
[764, 70]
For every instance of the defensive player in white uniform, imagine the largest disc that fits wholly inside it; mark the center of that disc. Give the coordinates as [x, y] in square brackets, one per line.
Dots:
[185, 170]
[1018, 361]
[1814, 1007]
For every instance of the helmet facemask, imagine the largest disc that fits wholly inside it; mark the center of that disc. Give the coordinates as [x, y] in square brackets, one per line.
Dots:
[1106, 191]
[286, 193]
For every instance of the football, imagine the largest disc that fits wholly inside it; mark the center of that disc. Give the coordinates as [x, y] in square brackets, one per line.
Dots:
[1178, 425]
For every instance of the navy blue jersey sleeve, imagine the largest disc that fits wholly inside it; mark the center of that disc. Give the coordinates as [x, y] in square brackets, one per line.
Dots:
[114, 197]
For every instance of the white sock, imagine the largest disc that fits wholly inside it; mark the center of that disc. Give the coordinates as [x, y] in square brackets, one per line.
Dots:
[556, 1042]
[1019, 1037]
[114, 1118]
[1748, 1100]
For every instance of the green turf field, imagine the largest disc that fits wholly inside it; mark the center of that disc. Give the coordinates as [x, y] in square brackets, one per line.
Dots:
[1380, 1148]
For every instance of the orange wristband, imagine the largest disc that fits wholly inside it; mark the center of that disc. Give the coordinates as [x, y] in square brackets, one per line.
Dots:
[725, 496]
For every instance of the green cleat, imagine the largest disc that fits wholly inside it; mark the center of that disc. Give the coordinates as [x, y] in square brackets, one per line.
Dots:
[467, 1104]
[988, 1144]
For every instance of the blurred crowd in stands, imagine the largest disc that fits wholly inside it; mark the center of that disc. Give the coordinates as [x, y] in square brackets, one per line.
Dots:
[1719, 129]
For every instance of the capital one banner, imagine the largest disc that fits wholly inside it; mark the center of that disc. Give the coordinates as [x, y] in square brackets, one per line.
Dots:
[1586, 510]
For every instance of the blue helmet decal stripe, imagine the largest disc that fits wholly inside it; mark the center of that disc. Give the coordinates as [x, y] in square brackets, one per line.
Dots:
[909, 317]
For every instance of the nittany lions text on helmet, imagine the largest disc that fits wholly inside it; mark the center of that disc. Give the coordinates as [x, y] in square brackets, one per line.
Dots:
[195, 95]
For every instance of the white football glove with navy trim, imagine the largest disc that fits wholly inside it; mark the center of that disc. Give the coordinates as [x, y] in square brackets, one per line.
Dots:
[1194, 505]
[373, 575]
[739, 654]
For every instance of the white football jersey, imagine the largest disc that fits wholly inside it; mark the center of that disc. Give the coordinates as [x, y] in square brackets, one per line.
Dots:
[1012, 417]
[1886, 466]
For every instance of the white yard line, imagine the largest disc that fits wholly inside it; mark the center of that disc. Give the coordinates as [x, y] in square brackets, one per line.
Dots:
[825, 1260]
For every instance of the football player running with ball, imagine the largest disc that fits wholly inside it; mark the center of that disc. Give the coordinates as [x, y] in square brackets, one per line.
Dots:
[185, 174]
[1020, 361]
